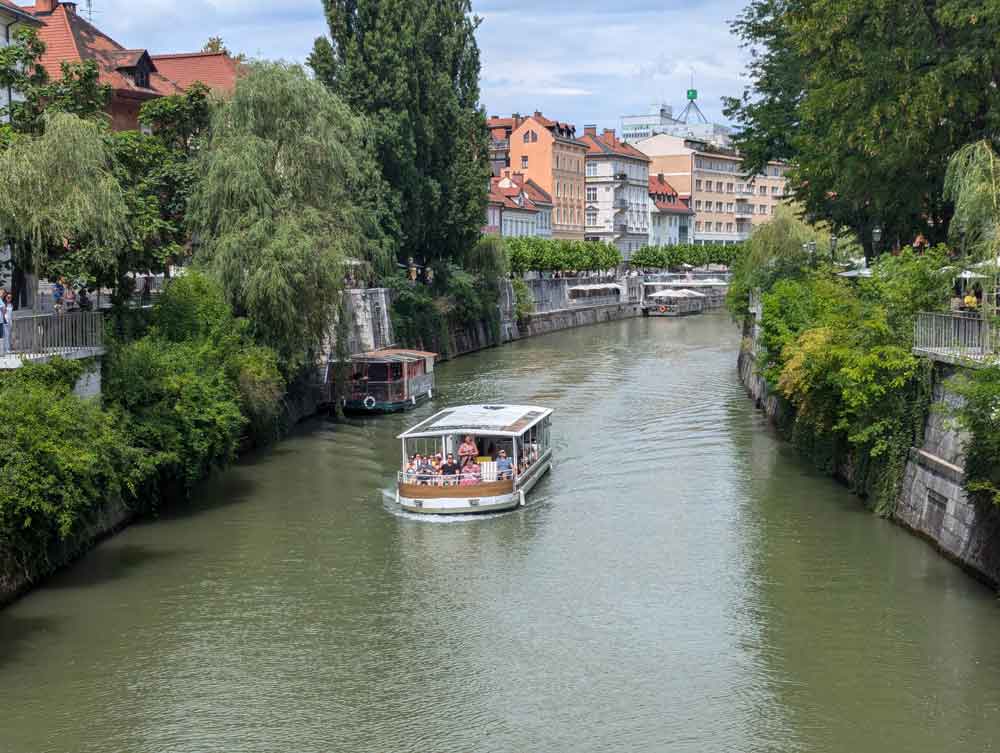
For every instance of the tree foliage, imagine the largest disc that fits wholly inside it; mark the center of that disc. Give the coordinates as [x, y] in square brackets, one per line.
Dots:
[531, 253]
[60, 193]
[413, 68]
[281, 204]
[666, 257]
[869, 100]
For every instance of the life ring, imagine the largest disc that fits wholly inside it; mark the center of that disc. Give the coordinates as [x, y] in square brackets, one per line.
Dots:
[663, 309]
[369, 402]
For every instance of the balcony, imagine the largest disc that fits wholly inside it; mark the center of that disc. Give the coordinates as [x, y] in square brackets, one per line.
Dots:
[620, 203]
[621, 227]
[621, 177]
[39, 337]
[956, 337]
[500, 144]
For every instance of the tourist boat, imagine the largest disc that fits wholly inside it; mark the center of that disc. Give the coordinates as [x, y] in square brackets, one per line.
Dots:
[388, 381]
[520, 434]
[674, 303]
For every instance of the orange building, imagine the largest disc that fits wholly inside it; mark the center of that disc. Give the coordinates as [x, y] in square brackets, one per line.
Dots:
[548, 153]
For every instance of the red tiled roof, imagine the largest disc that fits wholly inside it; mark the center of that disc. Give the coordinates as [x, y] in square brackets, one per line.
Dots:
[68, 36]
[217, 70]
[510, 193]
[534, 192]
[608, 143]
[665, 198]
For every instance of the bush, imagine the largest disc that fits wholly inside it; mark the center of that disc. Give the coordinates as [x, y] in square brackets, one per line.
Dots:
[59, 460]
[551, 255]
[524, 301]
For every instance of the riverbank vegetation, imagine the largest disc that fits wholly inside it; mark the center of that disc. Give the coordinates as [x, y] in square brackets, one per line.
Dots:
[532, 254]
[839, 350]
[270, 199]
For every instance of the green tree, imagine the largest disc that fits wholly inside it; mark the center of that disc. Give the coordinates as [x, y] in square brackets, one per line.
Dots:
[413, 68]
[868, 101]
[282, 202]
[78, 90]
[59, 192]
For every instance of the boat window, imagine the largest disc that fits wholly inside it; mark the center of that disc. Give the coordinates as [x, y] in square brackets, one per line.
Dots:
[378, 372]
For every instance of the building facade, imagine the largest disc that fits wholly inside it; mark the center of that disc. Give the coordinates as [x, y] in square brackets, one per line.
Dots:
[517, 207]
[669, 214]
[727, 204]
[547, 153]
[617, 192]
[135, 77]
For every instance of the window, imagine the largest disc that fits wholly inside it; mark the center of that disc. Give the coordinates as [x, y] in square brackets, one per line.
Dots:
[591, 168]
[524, 161]
[775, 190]
[729, 227]
[762, 209]
[591, 219]
[557, 162]
[697, 185]
[699, 162]
[697, 226]
[697, 205]
[718, 186]
[741, 188]
[762, 190]
[142, 77]
[534, 137]
[718, 227]
[772, 209]
[729, 207]
[527, 140]
[775, 172]
[591, 193]
[718, 206]
[729, 187]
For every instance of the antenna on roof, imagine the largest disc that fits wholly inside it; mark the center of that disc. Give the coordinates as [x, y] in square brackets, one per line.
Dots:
[88, 6]
[692, 109]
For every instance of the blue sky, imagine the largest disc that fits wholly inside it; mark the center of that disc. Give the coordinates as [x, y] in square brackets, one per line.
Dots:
[583, 61]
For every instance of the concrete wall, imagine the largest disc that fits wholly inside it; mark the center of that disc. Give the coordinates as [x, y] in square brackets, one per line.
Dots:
[369, 326]
[932, 502]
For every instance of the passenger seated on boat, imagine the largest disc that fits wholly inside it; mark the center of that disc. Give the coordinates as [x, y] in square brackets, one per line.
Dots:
[470, 473]
[410, 473]
[436, 470]
[425, 469]
[449, 471]
[467, 449]
[505, 469]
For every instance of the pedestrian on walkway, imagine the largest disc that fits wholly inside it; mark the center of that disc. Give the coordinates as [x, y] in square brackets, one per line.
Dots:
[8, 322]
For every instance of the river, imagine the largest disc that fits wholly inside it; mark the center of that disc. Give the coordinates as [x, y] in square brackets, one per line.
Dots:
[681, 581]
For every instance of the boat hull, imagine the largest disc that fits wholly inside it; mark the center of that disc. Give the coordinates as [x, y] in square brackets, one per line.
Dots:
[358, 407]
[459, 500]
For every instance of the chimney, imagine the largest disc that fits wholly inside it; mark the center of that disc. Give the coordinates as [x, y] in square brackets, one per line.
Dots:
[538, 114]
[506, 173]
[45, 6]
[590, 130]
[609, 132]
[659, 177]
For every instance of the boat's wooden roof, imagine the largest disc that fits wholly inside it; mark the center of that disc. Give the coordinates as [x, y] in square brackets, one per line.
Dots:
[394, 355]
[493, 420]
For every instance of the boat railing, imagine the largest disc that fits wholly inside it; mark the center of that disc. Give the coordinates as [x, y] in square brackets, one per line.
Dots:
[454, 479]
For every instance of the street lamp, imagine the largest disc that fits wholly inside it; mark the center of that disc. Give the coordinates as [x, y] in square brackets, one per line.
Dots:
[833, 249]
[810, 248]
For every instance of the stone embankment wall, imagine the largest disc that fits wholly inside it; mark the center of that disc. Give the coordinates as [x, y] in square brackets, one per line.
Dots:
[932, 502]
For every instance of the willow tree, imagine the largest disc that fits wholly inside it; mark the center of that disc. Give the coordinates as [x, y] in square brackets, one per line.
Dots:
[282, 202]
[58, 192]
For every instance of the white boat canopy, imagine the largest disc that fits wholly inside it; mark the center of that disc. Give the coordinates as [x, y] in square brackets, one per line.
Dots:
[598, 286]
[492, 420]
[709, 283]
[677, 294]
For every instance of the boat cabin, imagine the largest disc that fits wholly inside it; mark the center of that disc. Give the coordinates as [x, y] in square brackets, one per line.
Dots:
[474, 458]
[389, 380]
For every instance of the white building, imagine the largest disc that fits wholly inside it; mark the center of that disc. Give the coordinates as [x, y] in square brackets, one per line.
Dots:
[661, 120]
[670, 215]
[520, 205]
[617, 192]
[12, 20]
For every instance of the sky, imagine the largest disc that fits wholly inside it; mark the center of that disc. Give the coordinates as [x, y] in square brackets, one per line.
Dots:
[585, 61]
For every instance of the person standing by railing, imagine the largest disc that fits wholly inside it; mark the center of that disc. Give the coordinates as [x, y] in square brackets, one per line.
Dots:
[3, 321]
[8, 321]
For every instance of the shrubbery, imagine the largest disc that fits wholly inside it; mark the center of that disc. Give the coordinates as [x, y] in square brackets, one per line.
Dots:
[61, 457]
[839, 351]
[665, 257]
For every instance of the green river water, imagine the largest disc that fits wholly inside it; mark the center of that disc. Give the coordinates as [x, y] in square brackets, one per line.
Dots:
[681, 581]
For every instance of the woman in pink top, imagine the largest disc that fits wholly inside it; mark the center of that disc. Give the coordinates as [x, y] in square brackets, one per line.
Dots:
[470, 474]
[467, 451]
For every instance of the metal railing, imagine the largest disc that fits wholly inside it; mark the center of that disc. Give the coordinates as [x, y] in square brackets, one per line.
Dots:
[386, 392]
[957, 334]
[52, 334]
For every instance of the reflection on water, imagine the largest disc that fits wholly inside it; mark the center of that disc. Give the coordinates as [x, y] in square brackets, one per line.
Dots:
[679, 581]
